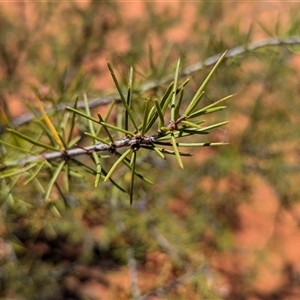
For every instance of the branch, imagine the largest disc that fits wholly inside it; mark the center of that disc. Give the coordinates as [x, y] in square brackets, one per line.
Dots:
[135, 142]
[277, 41]
[126, 142]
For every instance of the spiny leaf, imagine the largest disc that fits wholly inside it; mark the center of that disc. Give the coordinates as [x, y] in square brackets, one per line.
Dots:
[114, 166]
[72, 127]
[205, 112]
[207, 144]
[200, 91]
[146, 113]
[209, 107]
[88, 112]
[132, 176]
[178, 104]
[36, 173]
[194, 102]
[129, 97]
[158, 151]
[105, 128]
[81, 113]
[117, 128]
[176, 151]
[154, 114]
[128, 111]
[98, 168]
[173, 103]
[53, 179]
[107, 115]
[32, 141]
[14, 172]
[49, 123]
[160, 114]
[27, 151]
[96, 138]
[126, 161]
[190, 124]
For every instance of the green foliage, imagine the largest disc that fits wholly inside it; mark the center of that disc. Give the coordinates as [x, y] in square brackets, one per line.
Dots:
[84, 181]
[134, 136]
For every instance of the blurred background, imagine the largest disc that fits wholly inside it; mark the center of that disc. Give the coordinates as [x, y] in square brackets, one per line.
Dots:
[225, 227]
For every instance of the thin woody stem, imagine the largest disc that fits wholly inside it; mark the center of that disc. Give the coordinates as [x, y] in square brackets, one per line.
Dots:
[125, 142]
[277, 41]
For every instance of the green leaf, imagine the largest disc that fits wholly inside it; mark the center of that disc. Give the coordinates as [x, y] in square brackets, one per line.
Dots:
[190, 124]
[200, 91]
[166, 151]
[126, 161]
[129, 97]
[98, 168]
[30, 140]
[88, 112]
[53, 179]
[146, 113]
[178, 104]
[114, 182]
[207, 144]
[18, 148]
[81, 113]
[72, 127]
[96, 138]
[176, 151]
[205, 112]
[160, 114]
[36, 173]
[173, 103]
[107, 115]
[114, 166]
[194, 102]
[133, 159]
[105, 128]
[14, 172]
[154, 114]
[116, 128]
[122, 96]
[210, 108]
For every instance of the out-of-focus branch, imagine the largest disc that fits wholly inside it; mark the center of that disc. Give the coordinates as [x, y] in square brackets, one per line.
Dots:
[268, 42]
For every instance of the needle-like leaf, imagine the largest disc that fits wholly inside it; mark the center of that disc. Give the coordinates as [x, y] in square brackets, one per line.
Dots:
[176, 151]
[146, 115]
[128, 111]
[49, 123]
[72, 126]
[114, 166]
[173, 103]
[200, 91]
[133, 159]
[53, 179]
[116, 128]
[81, 113]
[129, 97]
[30, 140]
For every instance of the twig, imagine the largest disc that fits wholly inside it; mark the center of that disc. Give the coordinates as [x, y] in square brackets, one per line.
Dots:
[134, 142]
[277, 41]
[166, 246]
[132, 266]
[126, 142]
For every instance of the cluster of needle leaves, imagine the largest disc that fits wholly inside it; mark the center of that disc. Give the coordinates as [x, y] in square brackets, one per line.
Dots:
[174, 122]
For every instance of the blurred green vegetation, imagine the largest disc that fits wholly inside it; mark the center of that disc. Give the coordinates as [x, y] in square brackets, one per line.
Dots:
[175, 227]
